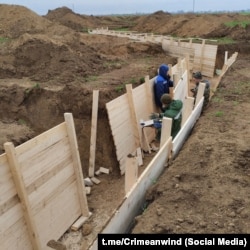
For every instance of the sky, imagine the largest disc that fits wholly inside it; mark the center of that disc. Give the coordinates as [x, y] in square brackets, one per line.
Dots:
[108, 7]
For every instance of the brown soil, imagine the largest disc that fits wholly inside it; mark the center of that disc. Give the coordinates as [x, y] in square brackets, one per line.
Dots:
[49, 66]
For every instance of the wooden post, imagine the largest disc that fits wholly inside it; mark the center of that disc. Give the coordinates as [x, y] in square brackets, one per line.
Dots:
[187, 58]
[150, 97]
[179, 67]
[135, 121]
[226, 57]
[171, 90]
[187, 109]
[93, 133]
[145, 137]
[176, 78]
[189, 77]
[202, 54]
[200, 92]
[170, 70]
[77, 164]
[139, 156]
[21, 191]
[165, 130]
[131, 172]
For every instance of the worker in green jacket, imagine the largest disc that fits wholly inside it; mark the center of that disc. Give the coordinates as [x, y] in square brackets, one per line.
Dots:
[172, 109]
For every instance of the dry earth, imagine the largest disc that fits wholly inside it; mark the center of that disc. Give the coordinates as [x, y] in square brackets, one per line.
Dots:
[49, 65]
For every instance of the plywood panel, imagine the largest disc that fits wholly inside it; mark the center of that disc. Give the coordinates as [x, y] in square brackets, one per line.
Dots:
[63, 210]
[120, 137]
[44, 194]
[37, 165]
[12, 223]
[126, 147]
[15, 237]
[41, 142]
[49, 174]
[119, 120]
[7, 190]
[10, 217]
[181, 90]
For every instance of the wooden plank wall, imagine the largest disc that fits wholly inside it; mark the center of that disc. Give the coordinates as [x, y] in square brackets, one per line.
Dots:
[40, 181]
[14, 233]
[121, 117]
[121, 127]
[202, 56]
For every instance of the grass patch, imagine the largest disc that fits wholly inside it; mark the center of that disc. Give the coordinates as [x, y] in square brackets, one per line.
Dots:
[90, 78]
[133, 81]
[85, 30]
[219, 113]
[35, 86]
[240, 88]
[21, 122]
[121, 29]
[113, 64]
[225, 40]
[120, 88]
[4, 39]
[142, 80]
[233, 24]
[216, 99]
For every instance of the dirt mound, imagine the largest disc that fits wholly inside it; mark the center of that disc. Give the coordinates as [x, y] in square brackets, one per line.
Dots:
[67, 17]
[185, 25]
[16, 20]
[43, 58]
[45, 50]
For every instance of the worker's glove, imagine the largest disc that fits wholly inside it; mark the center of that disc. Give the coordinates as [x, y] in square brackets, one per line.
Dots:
[157, 124]
[154, 116]
[168, 77]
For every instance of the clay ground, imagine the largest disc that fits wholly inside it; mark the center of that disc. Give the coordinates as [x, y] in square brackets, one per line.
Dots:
[49, 65]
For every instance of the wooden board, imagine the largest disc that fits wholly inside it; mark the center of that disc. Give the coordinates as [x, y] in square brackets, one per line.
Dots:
[93, 133]
[186, 128]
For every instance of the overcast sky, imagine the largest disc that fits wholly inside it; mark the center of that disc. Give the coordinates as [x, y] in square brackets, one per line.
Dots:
[99, 7]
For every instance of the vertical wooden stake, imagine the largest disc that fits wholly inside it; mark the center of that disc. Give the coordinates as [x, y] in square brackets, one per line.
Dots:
[21, 191]
[149, 92]
[200, 92]
[77, 164]
[187, 109]
[93, 133]
[135, 121]
[165, 130]
[131, 172]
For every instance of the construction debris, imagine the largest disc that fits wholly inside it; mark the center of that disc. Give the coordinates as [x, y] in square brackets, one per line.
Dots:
[88, 182]
[95, 180]
[104, 170]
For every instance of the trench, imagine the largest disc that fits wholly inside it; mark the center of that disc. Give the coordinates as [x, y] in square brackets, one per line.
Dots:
[42, 109]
